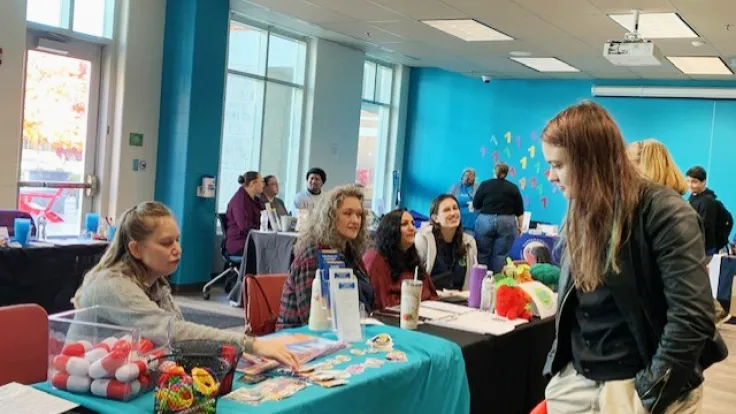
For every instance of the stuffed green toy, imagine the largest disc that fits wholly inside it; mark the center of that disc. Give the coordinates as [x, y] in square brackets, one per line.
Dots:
[547, 274]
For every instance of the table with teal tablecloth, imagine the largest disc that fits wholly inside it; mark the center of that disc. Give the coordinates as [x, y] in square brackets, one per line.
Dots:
[433, 380]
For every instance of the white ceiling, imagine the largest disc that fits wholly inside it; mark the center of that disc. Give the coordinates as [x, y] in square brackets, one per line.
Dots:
[571, 30]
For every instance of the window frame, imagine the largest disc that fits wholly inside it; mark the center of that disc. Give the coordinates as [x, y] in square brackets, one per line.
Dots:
[288, 186]
[66, 26]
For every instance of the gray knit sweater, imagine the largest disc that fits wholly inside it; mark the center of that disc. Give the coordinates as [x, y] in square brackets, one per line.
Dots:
[153, 311]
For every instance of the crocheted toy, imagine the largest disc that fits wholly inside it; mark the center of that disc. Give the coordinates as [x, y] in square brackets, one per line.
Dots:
[546, 273]
[511, 300]
[519, 272]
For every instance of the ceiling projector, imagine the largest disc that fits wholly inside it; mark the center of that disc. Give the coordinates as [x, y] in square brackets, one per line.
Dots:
[628, 53]
[633, 50]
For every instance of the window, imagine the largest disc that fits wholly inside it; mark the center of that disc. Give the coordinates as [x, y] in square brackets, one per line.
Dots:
[375, 114]
[89, 17]
[263, 107]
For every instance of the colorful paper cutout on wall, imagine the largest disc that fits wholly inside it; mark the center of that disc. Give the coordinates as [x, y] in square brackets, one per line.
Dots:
[518, 141]
[540, 188]
[507, 135]
[512, 171]
[523, 163]
[533, 182]
[534, 135]
[546, 173]
[522, 184]
[532, 151]
[554, 189]
[526, 201]
[483, 151]
[538, 165]
[494, 140]
[495, 156]
[544, 202]
[507, 151]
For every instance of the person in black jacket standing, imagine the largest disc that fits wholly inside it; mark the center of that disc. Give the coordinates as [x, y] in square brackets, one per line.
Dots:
[703, 200]
[501, 212]
[634, 328]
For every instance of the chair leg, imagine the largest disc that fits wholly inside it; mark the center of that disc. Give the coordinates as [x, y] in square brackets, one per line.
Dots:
[206, 288]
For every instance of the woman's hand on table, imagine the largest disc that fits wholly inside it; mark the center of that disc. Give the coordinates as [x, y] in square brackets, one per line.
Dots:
[274, 350]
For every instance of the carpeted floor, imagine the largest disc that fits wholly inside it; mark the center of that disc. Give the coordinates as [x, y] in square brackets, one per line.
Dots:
[213, 319]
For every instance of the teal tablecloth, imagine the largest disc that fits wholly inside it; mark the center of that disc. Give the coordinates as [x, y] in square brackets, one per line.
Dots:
[433, 380]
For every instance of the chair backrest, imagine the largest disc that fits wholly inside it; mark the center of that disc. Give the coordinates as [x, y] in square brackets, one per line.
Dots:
[24, 344]
[222, 217]
[262, 301]
[7, 219]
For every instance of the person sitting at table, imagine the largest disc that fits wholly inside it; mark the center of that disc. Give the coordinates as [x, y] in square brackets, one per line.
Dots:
[395, 259]
[244, 211]
[270, 191]
[635, 328]
[338, 223]
[132, 276]
[447, 252]
[308, 199]
[500, 221]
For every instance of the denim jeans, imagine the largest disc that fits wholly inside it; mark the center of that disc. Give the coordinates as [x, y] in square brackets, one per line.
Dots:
[494, 236]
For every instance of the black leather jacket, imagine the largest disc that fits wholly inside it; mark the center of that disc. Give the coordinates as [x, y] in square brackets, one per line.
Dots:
[664, 294]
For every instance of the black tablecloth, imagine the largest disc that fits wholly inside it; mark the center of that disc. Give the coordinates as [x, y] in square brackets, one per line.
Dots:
[504, 372]
[48, 276]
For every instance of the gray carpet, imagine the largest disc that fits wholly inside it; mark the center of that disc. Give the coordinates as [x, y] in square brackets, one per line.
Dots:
[213, 319]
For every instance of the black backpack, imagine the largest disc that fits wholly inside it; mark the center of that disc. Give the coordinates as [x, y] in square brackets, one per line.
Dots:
[724, 225]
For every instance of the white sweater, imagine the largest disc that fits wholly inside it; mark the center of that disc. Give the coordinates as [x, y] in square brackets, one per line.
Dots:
[427, 249]
[151, 311]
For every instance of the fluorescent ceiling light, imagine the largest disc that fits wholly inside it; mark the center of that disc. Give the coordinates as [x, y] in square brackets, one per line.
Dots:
[545, 64]
[468, 30]
[700, 65]
[656, 25]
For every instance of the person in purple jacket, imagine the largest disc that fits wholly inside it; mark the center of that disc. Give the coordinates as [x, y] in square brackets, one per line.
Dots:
[244, 211]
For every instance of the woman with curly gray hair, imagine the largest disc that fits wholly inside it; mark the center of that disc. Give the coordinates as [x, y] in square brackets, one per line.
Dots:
[338, 222]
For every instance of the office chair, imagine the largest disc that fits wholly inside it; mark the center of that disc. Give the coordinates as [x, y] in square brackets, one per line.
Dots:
[232, 263]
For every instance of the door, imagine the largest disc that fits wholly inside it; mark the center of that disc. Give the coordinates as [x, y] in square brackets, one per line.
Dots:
[60, 131]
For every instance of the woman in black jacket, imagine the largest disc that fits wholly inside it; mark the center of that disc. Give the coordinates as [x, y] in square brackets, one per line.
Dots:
[635, 317]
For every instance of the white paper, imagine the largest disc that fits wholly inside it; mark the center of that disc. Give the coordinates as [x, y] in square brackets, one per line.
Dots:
[371, 321]
[347, 310]
[21, 399]
[433, 311]
[478, 322]
[446, 307]
[714, 273]
[4, 233]
[450, 293]
[75, 242]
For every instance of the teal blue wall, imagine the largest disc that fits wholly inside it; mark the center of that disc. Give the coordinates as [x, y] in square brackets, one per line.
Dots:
[192, 93]
[455, 122]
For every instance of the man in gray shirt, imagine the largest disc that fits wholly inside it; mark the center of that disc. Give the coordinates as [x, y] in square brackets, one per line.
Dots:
[270, 191]
[307, 199]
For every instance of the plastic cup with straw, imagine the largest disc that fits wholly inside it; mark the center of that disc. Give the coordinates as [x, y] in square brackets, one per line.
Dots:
[411, 297]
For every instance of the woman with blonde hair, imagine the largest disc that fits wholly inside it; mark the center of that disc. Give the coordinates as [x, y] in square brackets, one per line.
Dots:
[338, 222]
[656, 164]
[634, 329]
[132, 276]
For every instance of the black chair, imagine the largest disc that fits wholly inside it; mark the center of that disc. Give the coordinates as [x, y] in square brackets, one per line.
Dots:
[232, 263]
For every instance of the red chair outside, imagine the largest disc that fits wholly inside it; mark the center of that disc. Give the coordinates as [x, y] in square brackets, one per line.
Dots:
[24, 344]
[262, 301]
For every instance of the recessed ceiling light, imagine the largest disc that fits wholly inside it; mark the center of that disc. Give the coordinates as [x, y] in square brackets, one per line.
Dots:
[656, 25]
[468, 30]
[698, 65]
[545, 64]
[519, 53]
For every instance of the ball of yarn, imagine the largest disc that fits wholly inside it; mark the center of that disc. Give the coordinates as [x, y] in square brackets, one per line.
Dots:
[546, 273]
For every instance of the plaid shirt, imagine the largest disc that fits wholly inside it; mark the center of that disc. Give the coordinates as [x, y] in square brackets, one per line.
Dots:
[296, 298]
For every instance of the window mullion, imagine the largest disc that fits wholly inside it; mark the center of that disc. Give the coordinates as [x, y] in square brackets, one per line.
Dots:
[263, 103]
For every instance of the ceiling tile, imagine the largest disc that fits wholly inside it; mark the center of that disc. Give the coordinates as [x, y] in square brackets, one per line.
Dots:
[422, 9]
[364, 31]
[595, 25]
[708, 24]
[618, 6]
[303, 10]
[614, 75]
[719, 7]
[684, 47]
[725, 45]
[547, 8]
[358, 9]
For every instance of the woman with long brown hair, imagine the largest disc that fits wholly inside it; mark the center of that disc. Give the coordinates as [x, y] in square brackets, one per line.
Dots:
[635, 318]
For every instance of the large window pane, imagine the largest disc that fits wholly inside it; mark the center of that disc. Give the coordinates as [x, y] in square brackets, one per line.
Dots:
[286, 59]
[369, 80]
[241, 134]
[281, 130]
[247, 49]
[372, 131]
[384, 75]
[48, 12]
[93, 17]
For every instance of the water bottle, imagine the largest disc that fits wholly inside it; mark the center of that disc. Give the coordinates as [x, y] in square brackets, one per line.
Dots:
[488, 293]
[42, 220]
[264, 220]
